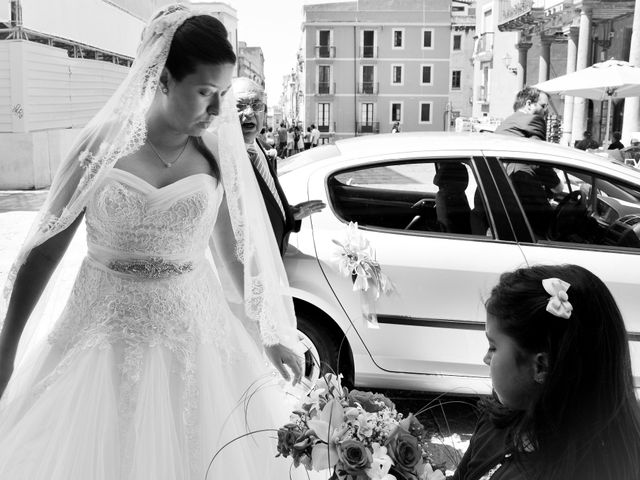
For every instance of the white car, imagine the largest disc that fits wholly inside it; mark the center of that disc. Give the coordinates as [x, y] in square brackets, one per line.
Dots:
[446, 217]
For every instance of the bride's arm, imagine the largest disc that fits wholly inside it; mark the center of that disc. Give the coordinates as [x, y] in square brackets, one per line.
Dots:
[231, 273]
[31, 279]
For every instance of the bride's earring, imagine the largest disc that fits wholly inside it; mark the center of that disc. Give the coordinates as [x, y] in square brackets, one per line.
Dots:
[164, 89]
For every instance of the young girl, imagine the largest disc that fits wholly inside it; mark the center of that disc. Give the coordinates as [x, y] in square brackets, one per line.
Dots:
[564, 405]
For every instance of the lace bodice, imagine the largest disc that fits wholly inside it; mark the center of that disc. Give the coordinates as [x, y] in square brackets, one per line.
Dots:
[130, 218]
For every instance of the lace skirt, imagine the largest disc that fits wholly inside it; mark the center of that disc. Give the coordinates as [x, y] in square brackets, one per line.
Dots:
[144, 379]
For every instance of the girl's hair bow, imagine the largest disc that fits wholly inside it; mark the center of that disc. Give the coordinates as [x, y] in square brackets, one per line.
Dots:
[558, 304]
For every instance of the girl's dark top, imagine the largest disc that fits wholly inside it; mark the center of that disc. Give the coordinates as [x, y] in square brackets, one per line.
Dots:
[490, 447]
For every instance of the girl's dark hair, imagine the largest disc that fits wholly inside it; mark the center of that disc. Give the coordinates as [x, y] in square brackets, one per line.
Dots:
[586, 423]
[200, 39]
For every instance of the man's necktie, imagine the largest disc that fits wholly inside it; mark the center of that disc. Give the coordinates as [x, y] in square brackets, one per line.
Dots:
[261, 165]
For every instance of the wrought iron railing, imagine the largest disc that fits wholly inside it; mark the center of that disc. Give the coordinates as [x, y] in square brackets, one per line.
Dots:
[368, 127]
[326, 88]
[368, 51]
[368, 88]
[325, 51]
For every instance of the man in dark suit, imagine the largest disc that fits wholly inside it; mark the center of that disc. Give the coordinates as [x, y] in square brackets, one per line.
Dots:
[284, 218]
[529, 116]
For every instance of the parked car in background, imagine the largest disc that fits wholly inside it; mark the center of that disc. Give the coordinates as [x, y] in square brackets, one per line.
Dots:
[446, 217]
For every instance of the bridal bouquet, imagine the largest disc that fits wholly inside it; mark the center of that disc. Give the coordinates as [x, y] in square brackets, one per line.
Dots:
[357, 435]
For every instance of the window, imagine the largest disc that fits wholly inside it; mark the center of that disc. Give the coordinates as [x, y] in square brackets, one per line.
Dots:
[368, 43]
[573, 206]
[427, 39]
[396, 112]
[425, 112]
[324, 79]
[425, 74]
[366, 118]
[456, 76]
[396, 74]
[457, 42]
[458, 9]
[383, 195]
[324, 112]
[398, 38]
[367, 75]
[324, 43]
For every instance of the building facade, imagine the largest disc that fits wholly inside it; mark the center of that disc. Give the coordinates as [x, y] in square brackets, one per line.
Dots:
[371, 63]
[524, 42]
[251, 63]
[463, 27]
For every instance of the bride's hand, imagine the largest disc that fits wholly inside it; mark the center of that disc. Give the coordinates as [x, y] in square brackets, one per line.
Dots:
[280, 356]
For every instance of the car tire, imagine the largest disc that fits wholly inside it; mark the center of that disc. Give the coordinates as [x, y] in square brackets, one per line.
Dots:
[322, 348]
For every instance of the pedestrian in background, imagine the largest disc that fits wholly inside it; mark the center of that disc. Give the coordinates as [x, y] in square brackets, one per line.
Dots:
[529, 115]
[307, 139]
[315, 136]
[587, 143]
[396, 127]
[616, 144]
[281, 134]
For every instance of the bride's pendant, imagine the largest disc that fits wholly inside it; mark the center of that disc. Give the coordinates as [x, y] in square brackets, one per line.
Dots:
[171, 163]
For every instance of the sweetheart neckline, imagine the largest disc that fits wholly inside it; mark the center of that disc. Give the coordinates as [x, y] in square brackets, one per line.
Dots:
[158, 189]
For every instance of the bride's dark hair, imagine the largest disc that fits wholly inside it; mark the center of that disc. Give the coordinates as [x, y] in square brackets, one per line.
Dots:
[200, 39]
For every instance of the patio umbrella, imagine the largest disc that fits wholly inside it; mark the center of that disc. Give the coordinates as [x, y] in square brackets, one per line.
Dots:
[601, 81]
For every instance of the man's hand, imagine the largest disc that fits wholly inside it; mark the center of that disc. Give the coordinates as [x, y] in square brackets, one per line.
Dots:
[305, 209]
[280, 356]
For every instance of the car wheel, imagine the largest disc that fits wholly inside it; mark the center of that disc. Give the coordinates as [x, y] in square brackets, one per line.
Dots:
[321, 349]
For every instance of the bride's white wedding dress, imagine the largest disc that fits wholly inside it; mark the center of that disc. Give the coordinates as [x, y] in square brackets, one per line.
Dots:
[144, 373]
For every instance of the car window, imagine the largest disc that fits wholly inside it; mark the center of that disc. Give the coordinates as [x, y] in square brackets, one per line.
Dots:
[425, 195]
[576, 206]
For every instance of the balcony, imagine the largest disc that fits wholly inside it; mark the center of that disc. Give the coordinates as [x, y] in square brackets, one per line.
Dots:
[327, 127]
[325, 51]
[483, 49]
[483, 96]
[515, 15]
[368, 51]
[368, 127]
[368, 88]
[326, 88]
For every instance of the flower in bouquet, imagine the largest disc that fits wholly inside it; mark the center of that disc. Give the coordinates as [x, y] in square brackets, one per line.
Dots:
[359, 435]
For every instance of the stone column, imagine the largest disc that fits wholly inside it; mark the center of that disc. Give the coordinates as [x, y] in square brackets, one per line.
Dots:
[572, 54]
[523, 47]
[545, 55]
[582, 62]
[631, 119]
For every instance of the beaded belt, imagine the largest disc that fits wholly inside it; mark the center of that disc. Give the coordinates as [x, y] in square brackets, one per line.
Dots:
[151, 267]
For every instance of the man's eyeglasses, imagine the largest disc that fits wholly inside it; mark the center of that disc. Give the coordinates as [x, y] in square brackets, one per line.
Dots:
[256, 106]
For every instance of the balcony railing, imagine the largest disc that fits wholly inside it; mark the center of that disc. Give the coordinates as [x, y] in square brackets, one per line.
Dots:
[368, 51]
[368, 88]
[483, 50]
[325, 51]
[326, 88]
[368, 127]
[516, 14]
[326, 127]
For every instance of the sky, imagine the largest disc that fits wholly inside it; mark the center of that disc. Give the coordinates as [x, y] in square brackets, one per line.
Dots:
[276, 27]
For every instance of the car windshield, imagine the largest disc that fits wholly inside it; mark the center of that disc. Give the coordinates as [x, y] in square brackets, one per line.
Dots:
[307, 157]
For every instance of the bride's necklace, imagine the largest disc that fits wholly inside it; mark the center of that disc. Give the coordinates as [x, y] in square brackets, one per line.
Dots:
[173, 162]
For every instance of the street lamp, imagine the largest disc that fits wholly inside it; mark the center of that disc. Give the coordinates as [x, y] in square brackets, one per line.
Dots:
[507, 63]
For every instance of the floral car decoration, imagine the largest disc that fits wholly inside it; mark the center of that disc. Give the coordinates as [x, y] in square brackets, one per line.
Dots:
[355, 435]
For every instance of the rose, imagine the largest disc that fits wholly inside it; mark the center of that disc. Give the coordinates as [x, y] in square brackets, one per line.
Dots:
[354, 457]
[288, 436]
[404, 450]
[370, 402]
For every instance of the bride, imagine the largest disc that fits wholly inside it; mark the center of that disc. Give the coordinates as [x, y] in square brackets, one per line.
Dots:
[157, 358]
